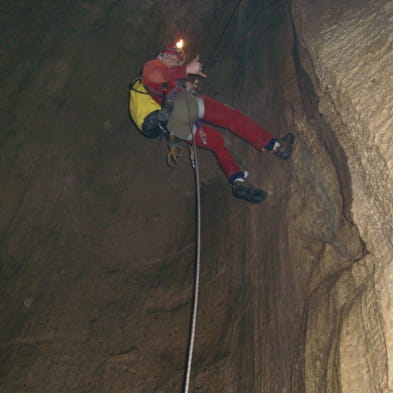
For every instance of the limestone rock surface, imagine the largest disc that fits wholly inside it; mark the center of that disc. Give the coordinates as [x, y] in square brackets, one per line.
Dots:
[347, 51]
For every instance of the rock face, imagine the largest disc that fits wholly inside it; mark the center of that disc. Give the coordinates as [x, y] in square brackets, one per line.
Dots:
[98, 236]
[346, 49]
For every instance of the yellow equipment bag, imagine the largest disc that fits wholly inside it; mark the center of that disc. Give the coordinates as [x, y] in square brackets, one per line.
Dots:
[144, 110]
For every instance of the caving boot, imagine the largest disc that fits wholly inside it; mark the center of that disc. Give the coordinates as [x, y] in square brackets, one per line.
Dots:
[283, 148]
[242, 189]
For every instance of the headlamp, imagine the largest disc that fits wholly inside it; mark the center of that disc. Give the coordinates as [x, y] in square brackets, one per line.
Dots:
[176, 49]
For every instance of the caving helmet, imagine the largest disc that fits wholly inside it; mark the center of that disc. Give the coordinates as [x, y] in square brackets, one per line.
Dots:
[176, 49]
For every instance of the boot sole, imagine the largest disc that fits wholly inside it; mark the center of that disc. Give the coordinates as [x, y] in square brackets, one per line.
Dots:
[251, 196]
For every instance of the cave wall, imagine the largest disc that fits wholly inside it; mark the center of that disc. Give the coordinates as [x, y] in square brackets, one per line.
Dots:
[345, 48]
[97, 246]
[97, 234]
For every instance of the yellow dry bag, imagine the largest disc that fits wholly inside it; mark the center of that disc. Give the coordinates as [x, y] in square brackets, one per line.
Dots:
[144, 110]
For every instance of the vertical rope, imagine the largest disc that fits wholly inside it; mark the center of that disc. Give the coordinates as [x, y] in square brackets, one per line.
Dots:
[198, 257]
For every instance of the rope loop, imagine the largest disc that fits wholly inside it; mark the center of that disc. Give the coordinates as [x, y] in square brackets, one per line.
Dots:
[175, 151]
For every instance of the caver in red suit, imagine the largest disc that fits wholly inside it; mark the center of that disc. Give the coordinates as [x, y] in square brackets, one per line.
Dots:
[168, 69]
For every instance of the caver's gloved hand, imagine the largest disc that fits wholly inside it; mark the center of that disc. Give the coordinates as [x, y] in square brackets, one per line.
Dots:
[192, 84]
[194, 67]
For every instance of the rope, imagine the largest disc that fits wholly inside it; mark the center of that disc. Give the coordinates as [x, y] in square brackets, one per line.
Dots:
[195, 164]
[221, 37]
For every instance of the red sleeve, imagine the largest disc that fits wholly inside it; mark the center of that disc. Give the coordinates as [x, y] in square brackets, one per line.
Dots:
[155, 71]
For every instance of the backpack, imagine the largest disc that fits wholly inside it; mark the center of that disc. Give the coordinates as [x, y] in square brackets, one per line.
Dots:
[144, 110]
[151, 119]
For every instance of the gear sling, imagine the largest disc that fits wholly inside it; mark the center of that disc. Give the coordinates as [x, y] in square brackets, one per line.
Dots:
[144, 111]
[151, 119]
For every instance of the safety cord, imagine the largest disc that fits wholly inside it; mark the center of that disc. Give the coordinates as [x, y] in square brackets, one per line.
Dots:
[209, 62]
[195, 165]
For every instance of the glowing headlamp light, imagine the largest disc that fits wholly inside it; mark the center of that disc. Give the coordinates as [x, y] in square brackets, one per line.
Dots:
[180, 44]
